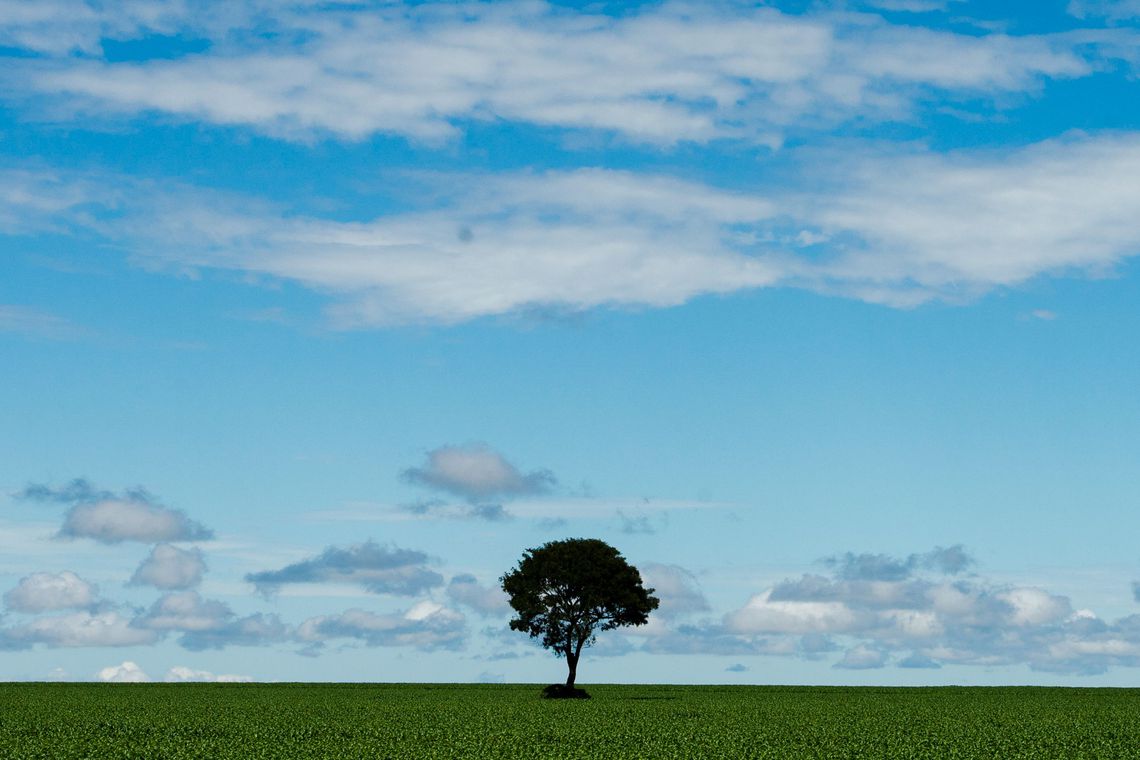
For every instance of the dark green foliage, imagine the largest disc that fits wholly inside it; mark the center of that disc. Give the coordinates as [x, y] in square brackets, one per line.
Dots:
[398, 721]
[565, 591]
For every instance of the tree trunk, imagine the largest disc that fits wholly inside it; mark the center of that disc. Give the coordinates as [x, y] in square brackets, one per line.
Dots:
[572, 664]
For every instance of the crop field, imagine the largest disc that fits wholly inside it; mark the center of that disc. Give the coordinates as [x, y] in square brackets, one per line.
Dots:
[511, 721]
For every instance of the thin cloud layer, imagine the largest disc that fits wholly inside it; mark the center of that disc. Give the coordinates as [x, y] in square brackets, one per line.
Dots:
[59, 27]
[660, 75]
[1113, 10]
[74, 492]
[883, 567]
[884, 227]
[379, 569]
[37, 323]
[894, 223]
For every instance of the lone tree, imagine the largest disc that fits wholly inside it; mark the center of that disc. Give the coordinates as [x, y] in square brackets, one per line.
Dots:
[566, 591]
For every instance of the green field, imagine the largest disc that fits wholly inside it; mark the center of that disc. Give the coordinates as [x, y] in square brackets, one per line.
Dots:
[445, 721]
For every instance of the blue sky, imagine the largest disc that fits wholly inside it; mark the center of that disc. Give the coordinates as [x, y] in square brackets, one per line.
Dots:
[314, 316]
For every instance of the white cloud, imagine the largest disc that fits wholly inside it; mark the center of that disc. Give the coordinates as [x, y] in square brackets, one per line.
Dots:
[168, 567]
[763, 615]
[208, 623]
[485, 600]
[40, 592]
[676, 587]
[862, 657]
[660, 75]
[80, 629]
[258, 629]
[1055, 207]
[575, 240]
[59, 27]
[426, 625]
[557, 241]
[115, 520]
[126, 672]
[920, 618]
[185, 611]
[379, 569]
[1035, 606]
[476, 472]
[183, 674]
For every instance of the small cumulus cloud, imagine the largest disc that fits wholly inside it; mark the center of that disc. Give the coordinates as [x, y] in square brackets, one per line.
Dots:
[115, 521]
[40, 592]
[127, 671]
[426, 626]
[209, 624]
[379, 569]
[862, 657]
[737, 668]
[250, 631]
[79, 629]
[168, 567]
[918, 660]
[766, 613]
[184, 611]
[111, 518]
[183, 674]
[477, 473]
[676, 587]
[466, 590]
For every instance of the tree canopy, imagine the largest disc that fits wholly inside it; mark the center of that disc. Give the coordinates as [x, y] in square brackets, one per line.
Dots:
[566, 591]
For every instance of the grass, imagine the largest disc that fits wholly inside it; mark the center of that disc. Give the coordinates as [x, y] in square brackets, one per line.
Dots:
[512, 721]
